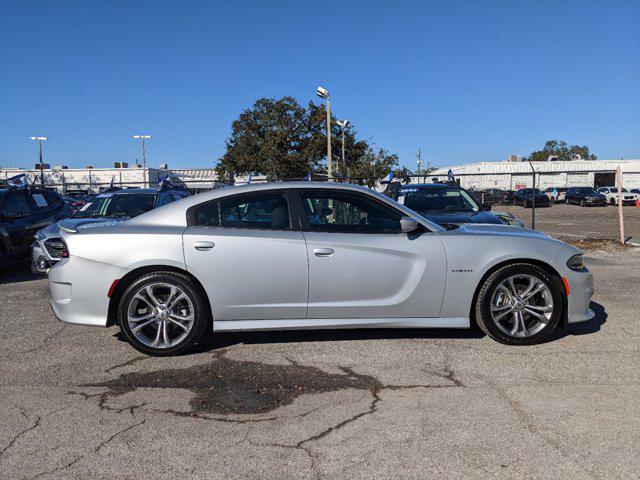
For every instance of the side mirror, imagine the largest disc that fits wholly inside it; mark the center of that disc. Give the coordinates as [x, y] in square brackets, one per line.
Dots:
[486, 207]
[408, 224]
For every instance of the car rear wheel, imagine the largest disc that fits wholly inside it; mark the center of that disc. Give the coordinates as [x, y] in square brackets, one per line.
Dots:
[583, 203]
[519, 304]
[163, 314]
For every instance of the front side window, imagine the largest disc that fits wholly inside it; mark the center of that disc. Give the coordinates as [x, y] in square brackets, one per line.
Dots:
[347, 212]
[16, 206]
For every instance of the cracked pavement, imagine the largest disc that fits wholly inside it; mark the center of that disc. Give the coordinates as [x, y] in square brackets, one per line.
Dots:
[77, 402]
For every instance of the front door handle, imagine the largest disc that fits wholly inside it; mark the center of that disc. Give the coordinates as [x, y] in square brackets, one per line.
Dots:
[203, 246]
[323, 252]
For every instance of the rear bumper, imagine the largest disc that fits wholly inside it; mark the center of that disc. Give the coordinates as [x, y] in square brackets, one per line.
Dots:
[581, 284]
[79, 290]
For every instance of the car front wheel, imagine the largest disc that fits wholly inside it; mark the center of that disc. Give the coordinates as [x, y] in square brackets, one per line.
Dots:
[519, 304]
[163, 314]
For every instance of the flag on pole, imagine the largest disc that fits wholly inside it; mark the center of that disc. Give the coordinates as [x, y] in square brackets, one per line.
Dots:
[388, 178]
[450, 175]
[163, 181]
[308, 177]
[111, 183]
[18, 181]
[249, 179]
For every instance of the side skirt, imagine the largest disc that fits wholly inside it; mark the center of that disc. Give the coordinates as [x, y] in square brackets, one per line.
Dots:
[336, 323]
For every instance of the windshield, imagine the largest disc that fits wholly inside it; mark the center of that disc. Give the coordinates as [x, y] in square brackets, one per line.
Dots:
[437, 199]
[117, 206]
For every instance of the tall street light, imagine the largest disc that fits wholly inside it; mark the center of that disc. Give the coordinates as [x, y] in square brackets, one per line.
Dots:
[343, 125]
[323, 93]
[144, 160]
[40, 140]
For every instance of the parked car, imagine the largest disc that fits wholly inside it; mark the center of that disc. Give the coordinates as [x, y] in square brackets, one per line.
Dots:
[445, 204]
[527, 196]
[611, 193]
[556, 194]
[75, 203]
[24, 211]
[491, 196]
[635, 190]
[303, 255]
[114, 206]
[585, 196]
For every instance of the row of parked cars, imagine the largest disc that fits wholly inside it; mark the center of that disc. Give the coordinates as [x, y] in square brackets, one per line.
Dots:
[31, 218]
[583, 196]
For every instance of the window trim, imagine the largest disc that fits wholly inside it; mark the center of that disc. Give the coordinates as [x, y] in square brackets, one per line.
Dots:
[191, 211]
[304, 221]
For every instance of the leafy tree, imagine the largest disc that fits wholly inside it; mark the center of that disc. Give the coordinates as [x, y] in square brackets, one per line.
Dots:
[562, 150]
[281, 139]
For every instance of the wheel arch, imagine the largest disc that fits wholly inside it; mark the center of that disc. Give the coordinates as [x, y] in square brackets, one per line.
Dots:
[532, 261]
[130, 277]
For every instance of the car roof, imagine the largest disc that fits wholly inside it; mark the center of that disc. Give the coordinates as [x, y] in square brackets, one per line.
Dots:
[175, 213]
[435, 186]
[133, 191]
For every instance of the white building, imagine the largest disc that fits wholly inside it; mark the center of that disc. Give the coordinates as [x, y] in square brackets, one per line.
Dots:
[515, 175]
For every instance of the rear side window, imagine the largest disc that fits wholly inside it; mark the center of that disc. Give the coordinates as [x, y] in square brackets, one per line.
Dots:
[257, 211]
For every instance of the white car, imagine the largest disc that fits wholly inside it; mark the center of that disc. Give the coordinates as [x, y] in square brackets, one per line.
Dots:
[611, 193]
[304, 255]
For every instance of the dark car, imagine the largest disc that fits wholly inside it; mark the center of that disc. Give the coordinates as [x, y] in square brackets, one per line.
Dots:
[584, 196]
[493, 196]
[22, 213]
[110, 206]
[445, 204]
[527, 196]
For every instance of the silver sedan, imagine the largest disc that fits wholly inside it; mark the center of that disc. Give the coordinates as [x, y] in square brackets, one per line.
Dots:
[308, 256]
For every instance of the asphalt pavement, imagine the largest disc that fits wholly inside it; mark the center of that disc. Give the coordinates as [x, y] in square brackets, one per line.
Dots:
[78, 402]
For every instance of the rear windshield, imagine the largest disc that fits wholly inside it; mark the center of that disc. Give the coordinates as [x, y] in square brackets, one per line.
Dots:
[109, 205]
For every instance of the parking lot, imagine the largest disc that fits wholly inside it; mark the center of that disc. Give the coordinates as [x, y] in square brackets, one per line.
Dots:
[78, 402]
[573, 222]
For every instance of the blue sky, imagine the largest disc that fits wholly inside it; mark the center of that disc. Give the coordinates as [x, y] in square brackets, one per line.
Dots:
[463, 81]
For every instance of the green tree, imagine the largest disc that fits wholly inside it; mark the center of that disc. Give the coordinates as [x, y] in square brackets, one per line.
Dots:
[281, 139]
[562, 150]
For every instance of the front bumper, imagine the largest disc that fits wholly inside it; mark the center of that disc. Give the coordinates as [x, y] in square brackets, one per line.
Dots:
[578, 301]
[79, 290]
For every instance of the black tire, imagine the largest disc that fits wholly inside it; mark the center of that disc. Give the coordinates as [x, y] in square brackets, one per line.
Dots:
[482, 305]
[202, 313]
[612, 202]
[583, 203]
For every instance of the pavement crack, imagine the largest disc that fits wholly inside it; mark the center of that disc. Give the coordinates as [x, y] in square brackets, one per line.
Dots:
[120, 432]
[127, 363]
[35, 425]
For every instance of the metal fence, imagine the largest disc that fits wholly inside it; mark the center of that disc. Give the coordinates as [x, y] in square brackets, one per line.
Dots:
[548, 211]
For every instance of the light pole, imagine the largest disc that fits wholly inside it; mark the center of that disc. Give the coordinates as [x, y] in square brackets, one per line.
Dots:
[323, 93]
[144, 160]
[40, 140]
[419, 162]
[343, 125]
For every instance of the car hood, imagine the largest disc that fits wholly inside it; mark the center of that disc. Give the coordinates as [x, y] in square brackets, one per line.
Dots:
[78, 224]
[497, 230]
[443, 218]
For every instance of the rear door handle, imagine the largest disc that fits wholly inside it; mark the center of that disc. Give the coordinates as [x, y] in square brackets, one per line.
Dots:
[203, 246]
[323, 252]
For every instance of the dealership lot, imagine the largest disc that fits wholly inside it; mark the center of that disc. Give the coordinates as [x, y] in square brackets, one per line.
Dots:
[78, 402]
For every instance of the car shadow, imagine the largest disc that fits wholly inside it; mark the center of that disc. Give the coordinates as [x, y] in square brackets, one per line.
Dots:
[218, 341]
[583, 328]
[18, 272]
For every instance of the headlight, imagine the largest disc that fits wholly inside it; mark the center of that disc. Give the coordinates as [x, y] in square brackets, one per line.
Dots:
[576, 262]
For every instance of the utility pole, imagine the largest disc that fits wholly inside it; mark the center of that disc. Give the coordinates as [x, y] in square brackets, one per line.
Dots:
[144, 160]
[343, 125]
[324, 93]
[40, 140]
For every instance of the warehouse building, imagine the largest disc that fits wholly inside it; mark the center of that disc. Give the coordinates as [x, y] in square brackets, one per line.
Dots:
[513, 175]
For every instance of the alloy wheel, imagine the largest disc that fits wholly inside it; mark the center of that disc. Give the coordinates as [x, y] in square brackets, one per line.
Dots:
[160, 315]
[521, 305]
